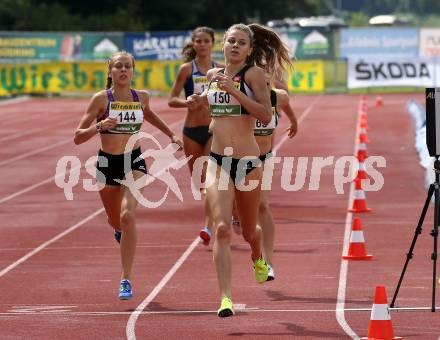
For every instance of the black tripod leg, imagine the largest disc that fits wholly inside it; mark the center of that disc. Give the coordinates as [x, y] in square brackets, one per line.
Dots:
[417, 232]
[434, 234]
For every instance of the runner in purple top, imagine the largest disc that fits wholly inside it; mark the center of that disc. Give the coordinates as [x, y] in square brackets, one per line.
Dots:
[120, 112]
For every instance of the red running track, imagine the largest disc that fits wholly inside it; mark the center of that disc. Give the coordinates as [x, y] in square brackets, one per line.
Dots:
[59, 265]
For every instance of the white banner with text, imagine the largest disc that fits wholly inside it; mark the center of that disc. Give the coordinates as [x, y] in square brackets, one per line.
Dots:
[417, 72]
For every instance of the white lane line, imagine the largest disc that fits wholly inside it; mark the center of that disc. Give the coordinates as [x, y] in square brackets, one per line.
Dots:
[47, 243]
[14, 101]
[166, 246]
[139, 245]
[50, 179]
[300, 119]
[69, 312]
[37, 185]
[37, 309]
[130, 329]
[340, 304]
[36, 151]
[29, 132]
[68, 231]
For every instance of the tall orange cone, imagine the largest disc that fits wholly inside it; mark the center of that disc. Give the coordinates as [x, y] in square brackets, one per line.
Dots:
[362, 151]
[363, 122]
[361, 173]
[356, 249]
[363, 115]
[359, 201]
[363, 109]
[363, 138]
[379, 101]
[380, 326]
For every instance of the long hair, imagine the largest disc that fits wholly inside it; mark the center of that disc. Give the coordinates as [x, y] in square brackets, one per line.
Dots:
[188, 51]
[268, 50]
[110, 62]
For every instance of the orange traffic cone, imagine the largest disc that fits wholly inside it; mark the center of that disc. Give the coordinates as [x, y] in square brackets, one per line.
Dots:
[363, 108]
[359, 202]
[380, 326]
[361, 173]
[363, 123]
[379, 101]
[363, 138]
[356, 249]
[363, 115]
[362, 151]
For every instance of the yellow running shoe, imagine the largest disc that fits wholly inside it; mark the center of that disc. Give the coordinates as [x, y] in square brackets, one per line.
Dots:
[226, 308]
[261, 270]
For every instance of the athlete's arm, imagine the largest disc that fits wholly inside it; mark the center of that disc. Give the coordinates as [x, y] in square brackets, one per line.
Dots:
[278, 84]
[156, 121]
[283, 103]
[174, 99]
[86, 129]
[196, 100]
[255, 77]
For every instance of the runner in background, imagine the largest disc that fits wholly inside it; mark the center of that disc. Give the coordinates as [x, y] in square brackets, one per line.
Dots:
[120, 112]
[265, 133]
[191, 78]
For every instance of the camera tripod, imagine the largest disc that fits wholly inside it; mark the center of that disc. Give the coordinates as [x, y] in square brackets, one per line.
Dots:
[434, 188]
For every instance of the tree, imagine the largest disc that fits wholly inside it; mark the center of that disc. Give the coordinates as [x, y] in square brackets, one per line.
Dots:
[139, 15]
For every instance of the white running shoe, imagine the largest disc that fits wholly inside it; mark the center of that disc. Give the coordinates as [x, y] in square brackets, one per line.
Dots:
[271, 274]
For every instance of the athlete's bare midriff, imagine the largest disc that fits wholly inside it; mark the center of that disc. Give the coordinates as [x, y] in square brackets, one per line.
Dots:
[197, 117]
[235, 132]
[115, 144]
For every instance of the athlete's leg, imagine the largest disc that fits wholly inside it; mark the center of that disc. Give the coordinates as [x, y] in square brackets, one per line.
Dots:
[221, 207]
[111, 197]
[265, 220]
[236, 220]
[128, 227]
[196, 150]
[208, 215]
[247, 205]
[192, 148]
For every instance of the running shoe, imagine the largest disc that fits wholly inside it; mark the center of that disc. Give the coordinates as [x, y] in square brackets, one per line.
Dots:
[261, 270]
[125, 292]
[226, 308]
[205, 234]
[118, 235]
[270, 274]
[236, 226]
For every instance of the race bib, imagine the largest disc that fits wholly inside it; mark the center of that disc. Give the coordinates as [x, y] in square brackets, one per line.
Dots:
[221, 103]
[129, 116]
[266, 129]
[200, 84]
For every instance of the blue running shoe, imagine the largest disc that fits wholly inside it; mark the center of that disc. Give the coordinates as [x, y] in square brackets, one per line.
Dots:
[205, 234]
[125, 292]
[118, 235]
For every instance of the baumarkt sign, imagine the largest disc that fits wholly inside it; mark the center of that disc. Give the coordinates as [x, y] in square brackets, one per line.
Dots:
[306, 76]
[30, 46]
[55, 77]
[67, 46]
